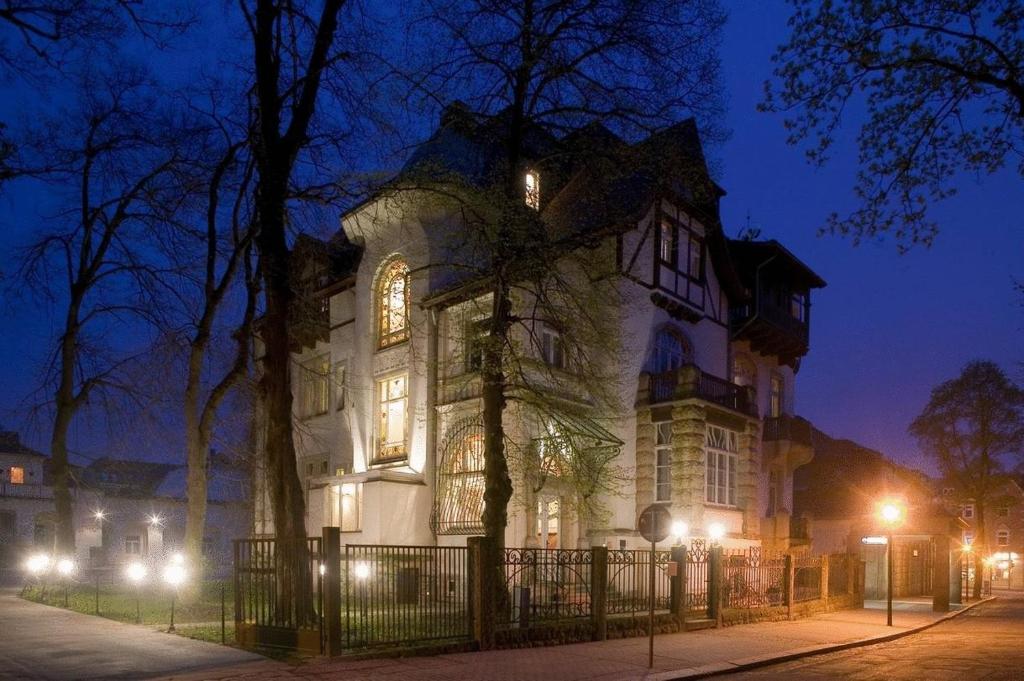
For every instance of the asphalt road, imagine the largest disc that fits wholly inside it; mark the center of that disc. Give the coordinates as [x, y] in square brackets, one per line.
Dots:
[986, 642]
[40, 642]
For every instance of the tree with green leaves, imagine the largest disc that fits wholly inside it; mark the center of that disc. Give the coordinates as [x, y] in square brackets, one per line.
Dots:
[973, 429]
[942, 84]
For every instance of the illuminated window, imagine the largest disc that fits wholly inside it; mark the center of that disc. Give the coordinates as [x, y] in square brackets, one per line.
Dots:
[474, 340]
[17, 475]
[720, 465]
[393, 395]
[133, 544]
[663, 461]
[680, 261]
[967, 511]
[315, 386]
[393, 304]
[1002, 537]
[775, 397]
[532, 195]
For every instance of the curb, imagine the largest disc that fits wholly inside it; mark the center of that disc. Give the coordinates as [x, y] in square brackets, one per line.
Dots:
[720, 668]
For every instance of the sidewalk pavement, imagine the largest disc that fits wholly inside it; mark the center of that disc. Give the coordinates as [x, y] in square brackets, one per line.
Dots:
[676, 656]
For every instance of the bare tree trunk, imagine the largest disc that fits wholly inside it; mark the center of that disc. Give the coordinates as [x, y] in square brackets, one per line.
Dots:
[67, 404]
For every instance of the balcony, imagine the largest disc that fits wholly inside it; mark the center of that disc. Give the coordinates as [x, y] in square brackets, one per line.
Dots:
[689, 382]
[771, 329]
[791, 428]
[26, 491]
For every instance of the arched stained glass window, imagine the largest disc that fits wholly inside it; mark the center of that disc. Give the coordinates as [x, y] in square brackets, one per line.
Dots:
[671, 351]
[393, 304]
[459, 499]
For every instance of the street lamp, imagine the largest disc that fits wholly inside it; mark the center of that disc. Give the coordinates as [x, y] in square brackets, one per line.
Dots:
[965, 567]
[362, 573]
[891, 513]
[37, 564]
[136, 573]
[174, 575]
[65, 568]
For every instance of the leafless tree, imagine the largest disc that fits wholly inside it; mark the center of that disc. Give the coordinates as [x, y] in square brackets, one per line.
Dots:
[114, 162]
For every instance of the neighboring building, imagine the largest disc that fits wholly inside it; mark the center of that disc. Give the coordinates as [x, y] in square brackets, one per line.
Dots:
[837, 498]
[388, 395]
[1004, 524]
[143, 508]
[27, 519]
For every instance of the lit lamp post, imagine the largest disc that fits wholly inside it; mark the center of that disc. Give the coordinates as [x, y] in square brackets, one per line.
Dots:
[362, 573]
[965, 570]
[715, 532]
[174, 575]
[65, 568]
[37, 566]
[136, 573]
[892, 514]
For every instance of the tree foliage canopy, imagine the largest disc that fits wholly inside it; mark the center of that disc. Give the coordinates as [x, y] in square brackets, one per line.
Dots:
[943, 86]
[973, 427]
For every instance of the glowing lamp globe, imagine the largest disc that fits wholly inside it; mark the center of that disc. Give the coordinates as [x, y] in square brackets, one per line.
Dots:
[136, 572]
[716, 531]
[174, 575]
[362, 571]
[891, 513]
[65, 566]
[38, 563]
[679, 529]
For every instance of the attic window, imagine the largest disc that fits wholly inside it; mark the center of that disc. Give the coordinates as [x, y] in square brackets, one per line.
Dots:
[532, 180]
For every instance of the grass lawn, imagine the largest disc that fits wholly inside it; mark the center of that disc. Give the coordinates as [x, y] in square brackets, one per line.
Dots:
[118, 602]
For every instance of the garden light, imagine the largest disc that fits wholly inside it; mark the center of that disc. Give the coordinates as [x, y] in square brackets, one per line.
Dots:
[65, 566]
[716, 531]
[362, 571]
[136, 572]
[38, 563]
[174, 575]
[178, 559]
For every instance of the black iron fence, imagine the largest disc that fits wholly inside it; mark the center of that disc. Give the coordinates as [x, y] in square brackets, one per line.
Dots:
[806, 578]
[279, 583]
[546, 584]
[403, 594]
[695, 582]
[753, 578]
[629, 582]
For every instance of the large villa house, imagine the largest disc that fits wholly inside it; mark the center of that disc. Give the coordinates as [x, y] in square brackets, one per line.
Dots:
[697, 376]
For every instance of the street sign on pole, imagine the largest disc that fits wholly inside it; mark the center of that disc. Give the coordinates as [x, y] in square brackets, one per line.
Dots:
[654, 525]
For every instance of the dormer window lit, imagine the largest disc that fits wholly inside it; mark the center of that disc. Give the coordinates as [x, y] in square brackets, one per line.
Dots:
[532, 183]
[393, 305]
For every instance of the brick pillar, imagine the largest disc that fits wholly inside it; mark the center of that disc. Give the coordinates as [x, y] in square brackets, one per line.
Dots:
[749, 466]
[644, 460]
[790, 584]
[332, 590]
[688, 425]
[599, 592]
[677, 599]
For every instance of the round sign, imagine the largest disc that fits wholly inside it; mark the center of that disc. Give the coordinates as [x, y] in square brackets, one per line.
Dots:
[655, 523]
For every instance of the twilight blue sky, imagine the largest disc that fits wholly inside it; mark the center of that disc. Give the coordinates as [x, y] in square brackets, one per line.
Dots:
[886, 329]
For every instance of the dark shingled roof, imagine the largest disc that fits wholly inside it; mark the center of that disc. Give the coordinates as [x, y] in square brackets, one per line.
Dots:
[10, 443]
[785, 266]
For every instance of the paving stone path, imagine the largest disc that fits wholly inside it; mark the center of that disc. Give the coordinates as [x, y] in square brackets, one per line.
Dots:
[985, 643]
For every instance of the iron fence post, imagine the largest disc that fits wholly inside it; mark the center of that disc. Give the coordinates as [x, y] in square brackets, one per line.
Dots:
[715, 574]
[677, 598]
[790, 585]
[599, 592]
[332, 589]
[824, 580]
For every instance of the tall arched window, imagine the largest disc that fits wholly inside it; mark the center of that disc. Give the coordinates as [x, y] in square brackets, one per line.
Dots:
[393, 304]
[671, 351]
[459, 497]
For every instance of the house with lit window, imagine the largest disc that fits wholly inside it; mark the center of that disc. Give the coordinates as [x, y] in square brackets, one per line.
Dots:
[709, 336]
[1004, 528]
[27, 518]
